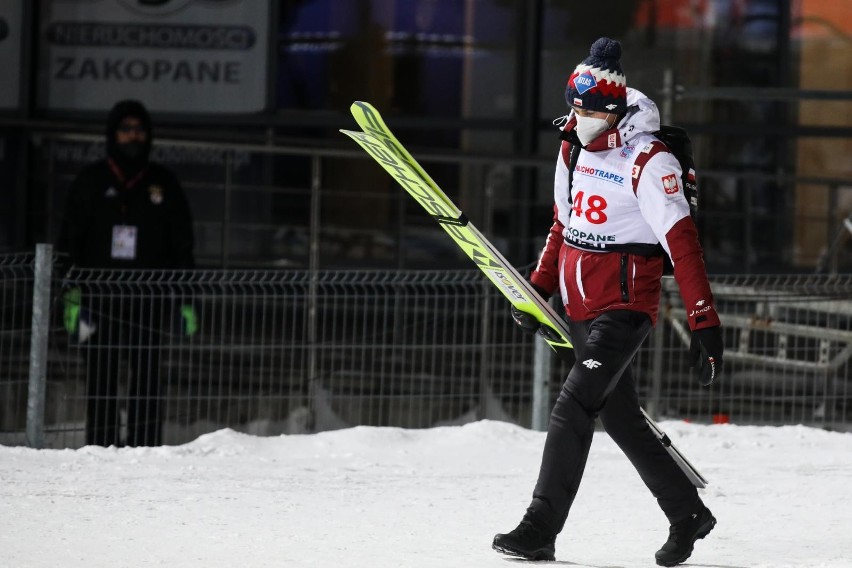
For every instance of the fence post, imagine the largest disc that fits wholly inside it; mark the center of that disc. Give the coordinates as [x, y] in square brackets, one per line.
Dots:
[657, 343]
[38, 345]
[313, 286]
[226, 210]
[542, 360]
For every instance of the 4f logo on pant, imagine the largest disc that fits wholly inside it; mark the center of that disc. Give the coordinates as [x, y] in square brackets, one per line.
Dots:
[591, 363]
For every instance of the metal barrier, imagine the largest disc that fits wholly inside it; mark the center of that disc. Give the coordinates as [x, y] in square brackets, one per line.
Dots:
[277, 352]
[311, 207]
[301, 351]
[788, 343]
[16, 294]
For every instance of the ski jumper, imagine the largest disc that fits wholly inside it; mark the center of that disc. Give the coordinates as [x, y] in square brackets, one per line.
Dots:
[624, 210]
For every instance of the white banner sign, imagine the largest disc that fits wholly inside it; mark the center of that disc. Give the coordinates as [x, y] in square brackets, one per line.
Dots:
[11, 24]
[186, 56]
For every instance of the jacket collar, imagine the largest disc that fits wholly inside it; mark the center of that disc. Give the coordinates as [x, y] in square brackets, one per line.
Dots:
[607, 140]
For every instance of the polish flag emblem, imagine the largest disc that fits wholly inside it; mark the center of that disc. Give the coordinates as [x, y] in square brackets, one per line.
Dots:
[670, 183]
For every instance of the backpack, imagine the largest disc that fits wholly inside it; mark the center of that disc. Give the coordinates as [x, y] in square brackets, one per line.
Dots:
[677, 141]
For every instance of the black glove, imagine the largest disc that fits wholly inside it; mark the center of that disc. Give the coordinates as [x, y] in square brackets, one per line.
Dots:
[524, 320]
[705, 353]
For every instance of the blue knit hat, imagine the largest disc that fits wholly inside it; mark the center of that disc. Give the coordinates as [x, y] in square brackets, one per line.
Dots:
[598, 83]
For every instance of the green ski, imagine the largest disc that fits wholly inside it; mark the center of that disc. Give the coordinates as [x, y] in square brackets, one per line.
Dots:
[382, 145]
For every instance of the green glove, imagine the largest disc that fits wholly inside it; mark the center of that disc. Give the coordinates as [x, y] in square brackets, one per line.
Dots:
[190, 320]
[71, 314]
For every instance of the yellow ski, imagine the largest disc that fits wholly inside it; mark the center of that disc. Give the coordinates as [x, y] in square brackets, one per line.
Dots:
[384, 147]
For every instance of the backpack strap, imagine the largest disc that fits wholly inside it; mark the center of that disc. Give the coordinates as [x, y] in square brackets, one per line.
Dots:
[570, 154]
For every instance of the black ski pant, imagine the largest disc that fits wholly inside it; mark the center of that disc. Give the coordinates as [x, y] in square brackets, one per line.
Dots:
[127, 342]
[601, 384]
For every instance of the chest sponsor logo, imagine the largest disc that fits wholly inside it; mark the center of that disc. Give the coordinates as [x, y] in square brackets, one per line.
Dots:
[670, 184]
[599, 173]
[584, 81]
[591, 363]
[627, 151]
[156, 194]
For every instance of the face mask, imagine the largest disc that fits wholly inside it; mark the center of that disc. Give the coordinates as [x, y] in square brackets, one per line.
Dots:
[132, 150]
[589, 128]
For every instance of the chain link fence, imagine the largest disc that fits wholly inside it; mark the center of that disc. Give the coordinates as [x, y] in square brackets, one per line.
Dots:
[294, 351]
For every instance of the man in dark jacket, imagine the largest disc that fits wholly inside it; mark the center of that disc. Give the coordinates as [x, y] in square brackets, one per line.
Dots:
[124, 212]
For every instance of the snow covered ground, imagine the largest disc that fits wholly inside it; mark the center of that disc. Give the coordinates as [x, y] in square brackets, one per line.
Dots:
[383, 497]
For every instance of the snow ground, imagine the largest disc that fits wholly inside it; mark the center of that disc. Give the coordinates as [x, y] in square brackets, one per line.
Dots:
[386, 497]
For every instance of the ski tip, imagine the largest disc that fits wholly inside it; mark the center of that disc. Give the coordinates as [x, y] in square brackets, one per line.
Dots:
[356, 105]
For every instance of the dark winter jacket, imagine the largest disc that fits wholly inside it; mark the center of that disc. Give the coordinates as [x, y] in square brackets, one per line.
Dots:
[153, 203]
[117, 194]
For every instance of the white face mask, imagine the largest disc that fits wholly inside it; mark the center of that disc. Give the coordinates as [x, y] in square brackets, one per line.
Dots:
[589, 128]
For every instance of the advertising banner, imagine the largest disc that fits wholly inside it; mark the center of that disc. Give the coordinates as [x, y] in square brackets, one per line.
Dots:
[11, 26]
[182, 56]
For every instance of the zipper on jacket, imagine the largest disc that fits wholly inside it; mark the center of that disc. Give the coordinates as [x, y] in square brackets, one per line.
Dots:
[625, 296]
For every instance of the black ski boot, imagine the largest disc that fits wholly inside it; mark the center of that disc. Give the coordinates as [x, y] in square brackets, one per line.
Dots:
[527, 541]
[682, 537]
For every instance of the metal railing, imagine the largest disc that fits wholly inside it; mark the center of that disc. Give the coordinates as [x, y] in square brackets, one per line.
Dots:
[290, 351]
[333, 208]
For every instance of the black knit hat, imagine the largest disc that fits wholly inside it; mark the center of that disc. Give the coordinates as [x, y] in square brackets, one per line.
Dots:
[598, 83]
[119, 112]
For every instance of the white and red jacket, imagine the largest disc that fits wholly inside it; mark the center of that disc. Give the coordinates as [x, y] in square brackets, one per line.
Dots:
[627, 191]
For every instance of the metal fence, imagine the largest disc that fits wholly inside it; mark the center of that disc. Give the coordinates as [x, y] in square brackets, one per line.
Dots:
[279, 206]
[788, 343]
[300, 351]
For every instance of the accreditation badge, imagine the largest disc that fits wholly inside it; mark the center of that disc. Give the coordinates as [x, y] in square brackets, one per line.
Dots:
[124, 242]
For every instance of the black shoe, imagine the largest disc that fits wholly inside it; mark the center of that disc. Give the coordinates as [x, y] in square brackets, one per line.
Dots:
[682, 537]
[526, 541]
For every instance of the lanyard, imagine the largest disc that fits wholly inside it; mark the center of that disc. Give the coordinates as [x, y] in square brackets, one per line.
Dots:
[125, 183]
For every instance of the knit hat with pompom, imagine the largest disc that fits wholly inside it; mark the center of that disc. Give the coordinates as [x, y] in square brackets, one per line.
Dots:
[598, 83]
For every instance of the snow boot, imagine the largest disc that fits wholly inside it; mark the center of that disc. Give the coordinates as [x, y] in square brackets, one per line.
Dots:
[682, 537]
[527, 541]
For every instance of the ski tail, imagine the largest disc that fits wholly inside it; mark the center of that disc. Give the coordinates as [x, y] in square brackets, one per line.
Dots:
[684, 464]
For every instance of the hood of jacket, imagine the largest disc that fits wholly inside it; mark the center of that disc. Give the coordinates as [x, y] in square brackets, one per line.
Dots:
[119, 112]
[642, 116]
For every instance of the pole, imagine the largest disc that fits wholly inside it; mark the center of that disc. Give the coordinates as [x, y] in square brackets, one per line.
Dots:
[542, 361]
[38, 345]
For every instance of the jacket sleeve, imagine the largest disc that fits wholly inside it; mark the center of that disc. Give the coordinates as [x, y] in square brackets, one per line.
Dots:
[664, 207]
[545, 275]
[690, 274]
[181, 230]
[72, 233]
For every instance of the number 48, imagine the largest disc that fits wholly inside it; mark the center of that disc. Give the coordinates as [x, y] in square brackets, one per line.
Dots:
[595, 208]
